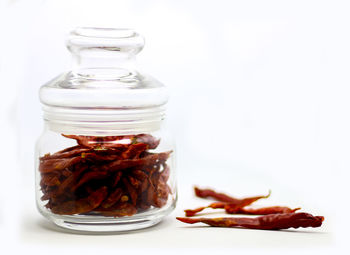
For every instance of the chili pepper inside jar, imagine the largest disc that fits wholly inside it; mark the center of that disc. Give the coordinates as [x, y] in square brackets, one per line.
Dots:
[105, 161]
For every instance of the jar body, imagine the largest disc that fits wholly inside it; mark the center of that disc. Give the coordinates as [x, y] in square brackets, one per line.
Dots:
[105, 181]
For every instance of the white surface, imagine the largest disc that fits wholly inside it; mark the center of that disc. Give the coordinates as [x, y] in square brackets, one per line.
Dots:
[259, 100]
[36, 231]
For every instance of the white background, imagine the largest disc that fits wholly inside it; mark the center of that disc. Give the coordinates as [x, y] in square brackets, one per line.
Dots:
[259, 100]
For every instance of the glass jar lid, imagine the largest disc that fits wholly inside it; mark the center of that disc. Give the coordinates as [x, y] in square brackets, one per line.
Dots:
[104, 75]
[104, 93]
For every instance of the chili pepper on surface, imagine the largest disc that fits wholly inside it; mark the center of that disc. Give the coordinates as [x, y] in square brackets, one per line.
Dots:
[205, 193]
[238, 209]
[266, 222]
[261, 211]
[227, 202]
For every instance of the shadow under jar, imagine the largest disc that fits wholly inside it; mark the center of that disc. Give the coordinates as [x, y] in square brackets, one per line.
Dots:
[105, 161]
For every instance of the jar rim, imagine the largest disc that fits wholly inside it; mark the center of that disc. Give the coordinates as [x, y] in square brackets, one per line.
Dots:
[104, 32]
[107, 121]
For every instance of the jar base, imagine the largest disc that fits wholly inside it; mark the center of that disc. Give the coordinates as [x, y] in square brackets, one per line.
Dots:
[103, 227]
[100, 224]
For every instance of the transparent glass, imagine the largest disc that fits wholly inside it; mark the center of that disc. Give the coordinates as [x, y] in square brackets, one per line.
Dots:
[105, 161]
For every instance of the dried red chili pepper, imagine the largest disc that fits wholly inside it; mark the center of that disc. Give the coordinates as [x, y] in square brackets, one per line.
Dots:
[131, 191]
[147, 139]
[119, 210]
[114, 141]
[139, 174]
[57, 164]
[67, 153]
[89, 176]
[260, 211]
[162, 194]
[69, 181]
[149, 160]
[229, 204]
[112, 176]
[266, 222]
[95, 141]
[134, 150]
[50, 180]
[82, 205]
[113, 198]
[142, 177]
[205, 193]
[237, 209]
[117, 178]
[164, 175]
[92, 156]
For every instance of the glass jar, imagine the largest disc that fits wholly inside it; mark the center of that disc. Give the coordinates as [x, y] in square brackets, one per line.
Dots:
[105, 161]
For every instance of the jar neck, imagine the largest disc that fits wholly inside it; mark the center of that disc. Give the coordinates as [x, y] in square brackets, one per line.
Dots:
[94, 65]
[103, 121]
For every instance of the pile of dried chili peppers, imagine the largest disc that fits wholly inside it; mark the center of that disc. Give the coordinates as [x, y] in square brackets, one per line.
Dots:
[273, 218]
[109, 176]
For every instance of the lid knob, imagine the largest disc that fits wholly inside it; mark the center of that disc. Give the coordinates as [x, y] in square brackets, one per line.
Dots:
[104, 53]
[89, 40]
